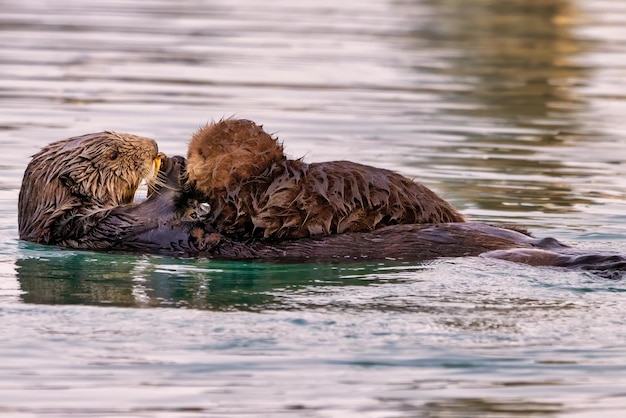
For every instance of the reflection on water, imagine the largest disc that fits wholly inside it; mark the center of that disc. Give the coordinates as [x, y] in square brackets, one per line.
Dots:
[516, 66]
[488, 407]
[151, 281]
[520, 58]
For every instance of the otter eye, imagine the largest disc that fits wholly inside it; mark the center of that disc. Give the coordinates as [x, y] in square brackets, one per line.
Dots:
[112, 154]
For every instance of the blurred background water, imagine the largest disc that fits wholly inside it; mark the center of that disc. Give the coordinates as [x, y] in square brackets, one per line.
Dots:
[510, 109]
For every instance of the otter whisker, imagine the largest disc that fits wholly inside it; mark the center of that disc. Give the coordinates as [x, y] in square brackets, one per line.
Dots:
[162, 181]
[157, 183]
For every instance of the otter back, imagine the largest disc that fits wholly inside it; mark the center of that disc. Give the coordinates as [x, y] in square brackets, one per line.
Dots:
[255, 190]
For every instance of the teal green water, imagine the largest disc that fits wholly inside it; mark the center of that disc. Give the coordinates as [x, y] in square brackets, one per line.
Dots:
[510, 110]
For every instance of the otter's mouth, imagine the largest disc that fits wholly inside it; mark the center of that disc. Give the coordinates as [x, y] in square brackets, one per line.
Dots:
[147, 183]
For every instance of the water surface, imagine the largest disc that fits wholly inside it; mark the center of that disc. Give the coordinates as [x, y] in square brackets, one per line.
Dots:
[510, 110]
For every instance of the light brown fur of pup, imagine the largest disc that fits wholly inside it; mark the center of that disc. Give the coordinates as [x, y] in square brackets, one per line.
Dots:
[255, 191]
[224, 153]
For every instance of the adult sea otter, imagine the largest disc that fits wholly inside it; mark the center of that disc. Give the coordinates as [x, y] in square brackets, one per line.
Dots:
[77, 193]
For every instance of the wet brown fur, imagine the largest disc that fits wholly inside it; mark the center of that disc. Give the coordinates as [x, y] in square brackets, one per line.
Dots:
[72, 184]
[76, 193]
[255, 190]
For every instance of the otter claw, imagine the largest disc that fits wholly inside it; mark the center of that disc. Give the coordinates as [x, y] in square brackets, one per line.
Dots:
[205, 208]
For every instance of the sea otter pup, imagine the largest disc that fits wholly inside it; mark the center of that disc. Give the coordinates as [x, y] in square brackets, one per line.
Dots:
[254, 190]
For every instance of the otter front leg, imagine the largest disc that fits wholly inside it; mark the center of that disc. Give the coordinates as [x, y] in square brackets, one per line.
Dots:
[176, 216]
[172, 188]
[155, 224]
[164, 198]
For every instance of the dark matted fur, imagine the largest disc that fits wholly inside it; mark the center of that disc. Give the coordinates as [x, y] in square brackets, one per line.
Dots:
[255, 190]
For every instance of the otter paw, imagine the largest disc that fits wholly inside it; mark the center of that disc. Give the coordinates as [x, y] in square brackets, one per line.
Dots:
[205, 240]
[171, 172]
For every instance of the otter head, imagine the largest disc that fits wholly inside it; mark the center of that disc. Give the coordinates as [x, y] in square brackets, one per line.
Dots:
[223, 153]
[77, 176]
